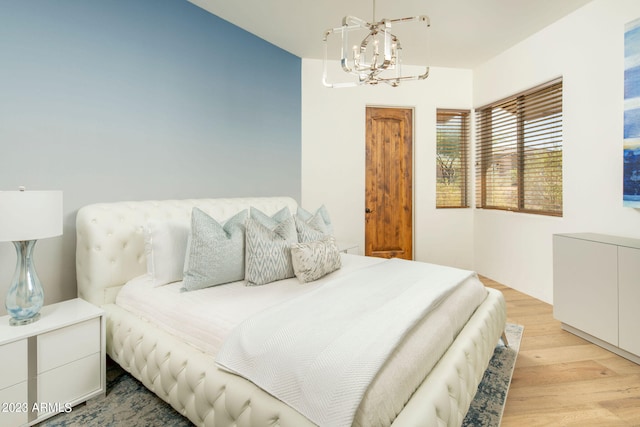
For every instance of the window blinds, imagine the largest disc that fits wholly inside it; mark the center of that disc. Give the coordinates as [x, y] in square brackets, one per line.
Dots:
[452, 142]
[519, 152]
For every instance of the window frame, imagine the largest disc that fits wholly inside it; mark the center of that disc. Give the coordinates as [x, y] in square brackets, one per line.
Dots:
[532, 102]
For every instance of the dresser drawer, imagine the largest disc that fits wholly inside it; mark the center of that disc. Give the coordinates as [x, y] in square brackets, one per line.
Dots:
[13, 368]
[14, 409]
[65, 345]
[70, 383]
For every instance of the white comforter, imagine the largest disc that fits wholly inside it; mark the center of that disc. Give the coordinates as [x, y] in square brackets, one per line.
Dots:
[204, 318]
[319, 352]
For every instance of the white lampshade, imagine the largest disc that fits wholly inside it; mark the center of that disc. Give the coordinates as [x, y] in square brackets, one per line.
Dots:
[30, 215]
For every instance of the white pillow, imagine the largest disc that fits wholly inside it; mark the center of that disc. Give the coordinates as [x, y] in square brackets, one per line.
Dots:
[165, 244]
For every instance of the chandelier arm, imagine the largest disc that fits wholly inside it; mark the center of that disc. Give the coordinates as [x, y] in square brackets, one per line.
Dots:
[419, 18]
[390, 80]
[352, 23]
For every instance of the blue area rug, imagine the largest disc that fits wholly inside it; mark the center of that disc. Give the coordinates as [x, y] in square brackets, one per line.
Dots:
[488, 404]
[128, 403]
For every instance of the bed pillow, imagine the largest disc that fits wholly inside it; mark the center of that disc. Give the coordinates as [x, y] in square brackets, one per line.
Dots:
[270, 221]
[165, 244]
[313, 260]
[216, 251]
[268, 251]
[311, 230]
[319, 220]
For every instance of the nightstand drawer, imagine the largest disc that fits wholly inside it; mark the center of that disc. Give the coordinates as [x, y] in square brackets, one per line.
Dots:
[14, 409]
[70, 383]
[65, 345]
[13, 368]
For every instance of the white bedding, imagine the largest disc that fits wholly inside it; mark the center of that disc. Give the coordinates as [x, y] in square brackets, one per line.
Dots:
[318, 353]
[204, 318]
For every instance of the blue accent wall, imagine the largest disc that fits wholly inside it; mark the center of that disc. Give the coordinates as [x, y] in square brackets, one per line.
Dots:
[135, 100]
[141, 99]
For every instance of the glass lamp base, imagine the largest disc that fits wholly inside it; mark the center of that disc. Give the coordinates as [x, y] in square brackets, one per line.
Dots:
[20, 322]
[25, 296]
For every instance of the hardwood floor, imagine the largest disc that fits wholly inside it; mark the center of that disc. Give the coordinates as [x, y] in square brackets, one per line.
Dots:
[561, 379]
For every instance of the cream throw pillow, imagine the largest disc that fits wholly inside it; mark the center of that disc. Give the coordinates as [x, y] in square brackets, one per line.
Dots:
[313, 260]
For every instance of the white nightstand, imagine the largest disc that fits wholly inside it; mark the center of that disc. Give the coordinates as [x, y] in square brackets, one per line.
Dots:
[51, 365]
[347, 246]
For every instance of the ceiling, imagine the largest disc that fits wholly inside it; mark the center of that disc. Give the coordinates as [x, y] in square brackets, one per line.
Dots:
[463, 33]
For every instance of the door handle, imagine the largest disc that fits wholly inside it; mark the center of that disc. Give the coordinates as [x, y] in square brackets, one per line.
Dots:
[367, 210]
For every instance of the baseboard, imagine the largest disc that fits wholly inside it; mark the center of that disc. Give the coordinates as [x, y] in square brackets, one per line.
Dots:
[597, 341]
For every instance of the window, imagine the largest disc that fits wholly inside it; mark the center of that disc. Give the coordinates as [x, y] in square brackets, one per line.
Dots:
[519, 152]
[452, 142]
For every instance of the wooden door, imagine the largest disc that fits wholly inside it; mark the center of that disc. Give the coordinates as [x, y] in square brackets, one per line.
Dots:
[389, 183]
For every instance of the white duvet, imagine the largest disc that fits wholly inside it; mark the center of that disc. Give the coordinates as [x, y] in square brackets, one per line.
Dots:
[318, 353]
[205, 318]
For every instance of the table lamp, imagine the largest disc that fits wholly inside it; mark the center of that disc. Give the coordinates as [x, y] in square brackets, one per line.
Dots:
[24, 217]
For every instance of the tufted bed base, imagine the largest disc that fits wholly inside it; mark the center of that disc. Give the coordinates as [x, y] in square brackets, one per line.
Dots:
[190, 381]
[109, 253]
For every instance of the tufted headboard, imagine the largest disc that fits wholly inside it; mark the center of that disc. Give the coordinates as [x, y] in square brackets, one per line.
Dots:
[110, 237]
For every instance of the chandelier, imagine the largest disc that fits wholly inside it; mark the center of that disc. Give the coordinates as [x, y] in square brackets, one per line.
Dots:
[376, 57]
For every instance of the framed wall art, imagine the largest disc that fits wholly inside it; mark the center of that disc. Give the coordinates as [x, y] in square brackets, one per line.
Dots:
[631, 180]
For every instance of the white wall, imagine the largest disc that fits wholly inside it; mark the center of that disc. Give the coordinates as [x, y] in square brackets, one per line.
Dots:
[586, 48]
[333, 157]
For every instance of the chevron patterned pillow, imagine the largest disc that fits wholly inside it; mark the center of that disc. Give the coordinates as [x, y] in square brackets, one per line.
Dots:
[268, 251]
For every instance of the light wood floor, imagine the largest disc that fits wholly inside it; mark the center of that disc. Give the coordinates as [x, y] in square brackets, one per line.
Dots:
[561, 379]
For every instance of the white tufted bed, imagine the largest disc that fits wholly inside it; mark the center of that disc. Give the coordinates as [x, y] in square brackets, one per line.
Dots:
[111, 253]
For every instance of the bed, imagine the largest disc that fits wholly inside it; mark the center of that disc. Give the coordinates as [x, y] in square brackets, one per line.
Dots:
[112, 267]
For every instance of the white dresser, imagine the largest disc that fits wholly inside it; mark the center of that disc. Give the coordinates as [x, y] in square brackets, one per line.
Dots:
[596, 289]
[51, 365]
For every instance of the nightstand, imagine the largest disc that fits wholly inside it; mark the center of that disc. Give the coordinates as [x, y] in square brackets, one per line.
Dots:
[53, 364]
[347, 246]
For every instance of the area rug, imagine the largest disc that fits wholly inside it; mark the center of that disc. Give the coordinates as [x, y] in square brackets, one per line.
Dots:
[488, 404]
[128, 403]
